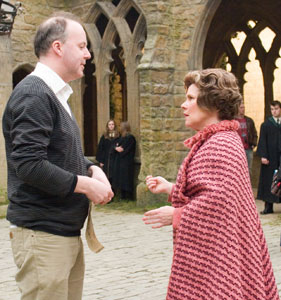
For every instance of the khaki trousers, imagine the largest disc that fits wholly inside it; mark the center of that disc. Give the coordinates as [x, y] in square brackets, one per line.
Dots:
[49, 266]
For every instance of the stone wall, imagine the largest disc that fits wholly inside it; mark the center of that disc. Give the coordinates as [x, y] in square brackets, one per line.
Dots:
[5, 91]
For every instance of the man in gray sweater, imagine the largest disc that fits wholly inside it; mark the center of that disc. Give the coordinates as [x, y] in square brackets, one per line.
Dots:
[50, 182]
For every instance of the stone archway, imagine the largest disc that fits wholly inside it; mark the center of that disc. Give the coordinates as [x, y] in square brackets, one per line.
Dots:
[195, 60]
[116, 31]
[251, 18]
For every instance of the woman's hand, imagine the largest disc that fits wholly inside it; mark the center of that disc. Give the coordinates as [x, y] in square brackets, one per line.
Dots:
[119, 149]
[162, 216]
[264, 161]
[158, 185]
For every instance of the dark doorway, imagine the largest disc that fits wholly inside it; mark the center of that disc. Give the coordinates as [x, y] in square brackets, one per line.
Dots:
[90, 109]
[19, 75]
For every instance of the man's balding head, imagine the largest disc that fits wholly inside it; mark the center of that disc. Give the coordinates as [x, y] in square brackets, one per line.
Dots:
[51, 30]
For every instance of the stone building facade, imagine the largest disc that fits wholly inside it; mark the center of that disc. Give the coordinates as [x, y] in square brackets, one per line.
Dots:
[141, 51]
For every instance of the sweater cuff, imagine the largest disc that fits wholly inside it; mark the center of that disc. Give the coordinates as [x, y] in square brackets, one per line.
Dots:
[177, 217]
[88, 163]
[73, 186]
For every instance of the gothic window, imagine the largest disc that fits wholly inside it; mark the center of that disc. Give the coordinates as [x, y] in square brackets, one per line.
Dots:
[132, 18]
[116, 31]
[248, 44]
[250, 53]
[101, 24]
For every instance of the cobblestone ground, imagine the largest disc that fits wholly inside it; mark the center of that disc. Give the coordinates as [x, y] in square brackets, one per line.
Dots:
[135, 263]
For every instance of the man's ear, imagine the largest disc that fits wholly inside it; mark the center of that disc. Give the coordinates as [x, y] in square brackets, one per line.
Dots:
[57, 47]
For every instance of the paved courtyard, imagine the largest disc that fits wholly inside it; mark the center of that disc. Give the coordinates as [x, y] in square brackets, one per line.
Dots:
[135, 263]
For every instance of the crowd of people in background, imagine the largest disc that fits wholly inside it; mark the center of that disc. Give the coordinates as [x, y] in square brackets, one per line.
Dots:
[115, 155]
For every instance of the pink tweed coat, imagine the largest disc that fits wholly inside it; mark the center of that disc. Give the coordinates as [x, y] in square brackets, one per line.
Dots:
[219, 246]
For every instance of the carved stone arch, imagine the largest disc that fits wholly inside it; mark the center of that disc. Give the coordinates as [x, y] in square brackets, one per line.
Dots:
[103, 47]
[221, 31]
[99, 7]
[275, 49]
[124, 33]
[95, 39]
[103, 72]
[139, 37]
[124, 6]
[251, 41]
[195, 60]
[133, 59]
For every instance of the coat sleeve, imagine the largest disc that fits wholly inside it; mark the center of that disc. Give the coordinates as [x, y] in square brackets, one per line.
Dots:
[101, 151]
[262, 149]
[254, 134]
[88, 163]
[129, 146]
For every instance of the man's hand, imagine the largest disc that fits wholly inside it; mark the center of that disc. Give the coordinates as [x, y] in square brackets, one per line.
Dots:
[98, 174]
[95, 190]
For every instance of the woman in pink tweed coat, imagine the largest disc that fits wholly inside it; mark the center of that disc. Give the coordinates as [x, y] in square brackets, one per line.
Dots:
[219, 246]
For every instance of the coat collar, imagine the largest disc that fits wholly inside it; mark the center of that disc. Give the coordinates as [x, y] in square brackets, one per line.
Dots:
[210, 130]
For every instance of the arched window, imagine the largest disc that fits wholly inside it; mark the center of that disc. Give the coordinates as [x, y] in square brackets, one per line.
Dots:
[116, 32]
[247, 43]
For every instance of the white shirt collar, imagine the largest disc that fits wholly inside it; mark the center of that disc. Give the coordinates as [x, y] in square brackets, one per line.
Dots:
[61, 89]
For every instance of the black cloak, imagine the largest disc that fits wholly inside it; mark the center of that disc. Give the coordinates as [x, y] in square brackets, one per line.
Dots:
[269, 147]
[123, 178]
[106, 155]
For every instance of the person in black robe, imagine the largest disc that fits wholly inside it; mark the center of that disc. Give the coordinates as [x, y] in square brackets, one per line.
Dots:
[106, 149]
[123, 179]
[269, 149]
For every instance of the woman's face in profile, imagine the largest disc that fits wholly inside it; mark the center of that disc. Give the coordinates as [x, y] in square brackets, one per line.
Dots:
[196, 117]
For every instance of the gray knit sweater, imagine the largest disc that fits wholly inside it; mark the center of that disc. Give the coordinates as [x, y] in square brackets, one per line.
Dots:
[44, 157]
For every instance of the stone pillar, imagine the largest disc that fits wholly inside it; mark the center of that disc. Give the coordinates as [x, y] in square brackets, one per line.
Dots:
[157, 110]
[5, 91]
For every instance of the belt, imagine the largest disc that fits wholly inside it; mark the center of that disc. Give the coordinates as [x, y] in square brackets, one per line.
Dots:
[91, 238]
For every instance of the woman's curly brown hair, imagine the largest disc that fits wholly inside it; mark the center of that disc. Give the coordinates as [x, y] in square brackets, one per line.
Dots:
[218, 91]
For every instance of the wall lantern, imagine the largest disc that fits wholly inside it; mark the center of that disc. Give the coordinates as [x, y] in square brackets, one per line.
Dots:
[8, 13]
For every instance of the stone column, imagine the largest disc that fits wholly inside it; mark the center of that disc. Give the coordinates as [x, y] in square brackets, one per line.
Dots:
[156, 129]
[6, 87]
